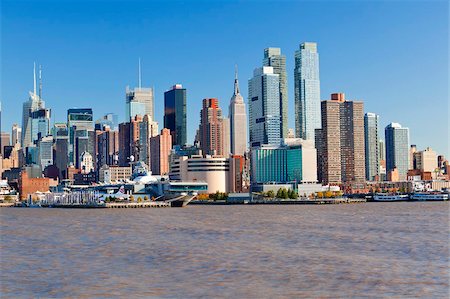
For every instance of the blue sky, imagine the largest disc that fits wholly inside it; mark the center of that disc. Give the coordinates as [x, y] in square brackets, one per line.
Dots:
[393, 55]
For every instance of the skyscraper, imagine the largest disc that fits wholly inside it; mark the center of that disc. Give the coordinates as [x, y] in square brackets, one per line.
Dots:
[307, 91]
[371, 141]
[129, 146]
[5, 140]
[45, 147]
[139, 101]
[40, 124]
[264, 107]
[273, 58]
[61, 149]
[34, 103]
[175, 114]
[238, 121]
[16, 133]
[211, 129]
[78, 119]
[340, 141]
[148, 129]
[397, 149]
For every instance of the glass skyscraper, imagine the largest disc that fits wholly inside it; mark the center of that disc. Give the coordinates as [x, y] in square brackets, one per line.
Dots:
[273, 58]
[264, 107]
[307, 91]
[175, 114]
[77, 119]
[397, 149]
[371, 140]
[139, 101]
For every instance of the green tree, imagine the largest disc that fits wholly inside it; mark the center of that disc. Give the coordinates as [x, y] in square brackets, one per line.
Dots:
[131, 198]
[145, 198]
[8, 198]
[320, 194]
[139, 199]
[284, 193]
[271, 194]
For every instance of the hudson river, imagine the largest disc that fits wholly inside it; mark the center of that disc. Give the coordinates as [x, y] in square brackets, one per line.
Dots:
[335, 251]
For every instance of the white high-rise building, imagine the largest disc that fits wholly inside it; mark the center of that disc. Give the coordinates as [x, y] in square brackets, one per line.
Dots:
[307, 91]
[86, 162]
[238, 121]
[264, 107]
[147, 129]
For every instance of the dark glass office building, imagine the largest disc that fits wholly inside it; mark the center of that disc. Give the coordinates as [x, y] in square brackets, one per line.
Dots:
[175, 114]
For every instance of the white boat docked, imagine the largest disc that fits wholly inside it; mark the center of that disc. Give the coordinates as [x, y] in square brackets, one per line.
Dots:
[390, 197]
[423, 196]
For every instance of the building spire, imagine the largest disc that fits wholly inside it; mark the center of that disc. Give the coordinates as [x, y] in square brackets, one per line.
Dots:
[40, 82]
[236, 82]
[140, 75]
[34, 78]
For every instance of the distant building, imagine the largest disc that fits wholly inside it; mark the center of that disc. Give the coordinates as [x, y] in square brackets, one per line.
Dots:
[45, 146]
[110, 119]
[426, 160]
[40, 124]
[129, 146]
[264, 107]
[78, 119]
[160, 148]
[397, 149]
[340, 142]
[29, 184]
[5, 141]
[293, 162]
[213, 170]
[147, 129]
[238, 121]
[175, 114]
[34, 103]
[107, 148]
[412, 161]
[371, 141]
[86, 163]
[112, 174]
[139, 101]
[274, 58]
[60, 149]
[16, 133]
[307, 91]
[291, 133]
[211, 130]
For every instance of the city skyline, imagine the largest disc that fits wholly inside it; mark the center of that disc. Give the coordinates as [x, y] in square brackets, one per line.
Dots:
[398, 102]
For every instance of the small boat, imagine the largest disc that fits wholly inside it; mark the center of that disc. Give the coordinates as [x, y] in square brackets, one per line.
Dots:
[424, 196]
[386, 197]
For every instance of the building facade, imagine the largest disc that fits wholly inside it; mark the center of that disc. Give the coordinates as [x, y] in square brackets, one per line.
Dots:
[148, 129]
[340, 141]
[274, 58]
[371, 142]
[264, 107]
[238, 121]
[397, 149]
[78, 119]
[138, 101]
[160, 148]
[307, 91]
[175, 114]
[212, 129]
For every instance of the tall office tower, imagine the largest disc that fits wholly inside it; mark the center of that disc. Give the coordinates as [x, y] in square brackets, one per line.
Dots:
[129, 146]
[238, 121]
[175, 114]
[371, 140]
[16, 133]
[161, 147]
[45, 148]
[78, 119]
[61, 148]
[107, 147]
[412, 160]
[34, 103]
[340, 141]
[5, 141]
[139, 101]
[264, 107]
[109, 119]
[40, 124]
[307, 91]
[273, 58]
[148, 129]
[397, 149]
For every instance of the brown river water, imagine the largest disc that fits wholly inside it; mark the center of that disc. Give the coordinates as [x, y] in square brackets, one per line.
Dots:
[371, 250]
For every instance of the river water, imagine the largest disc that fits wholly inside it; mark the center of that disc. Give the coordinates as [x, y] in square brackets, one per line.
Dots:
[330, 251]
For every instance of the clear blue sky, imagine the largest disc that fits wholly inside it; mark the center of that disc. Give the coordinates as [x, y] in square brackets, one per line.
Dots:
[393, 55]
